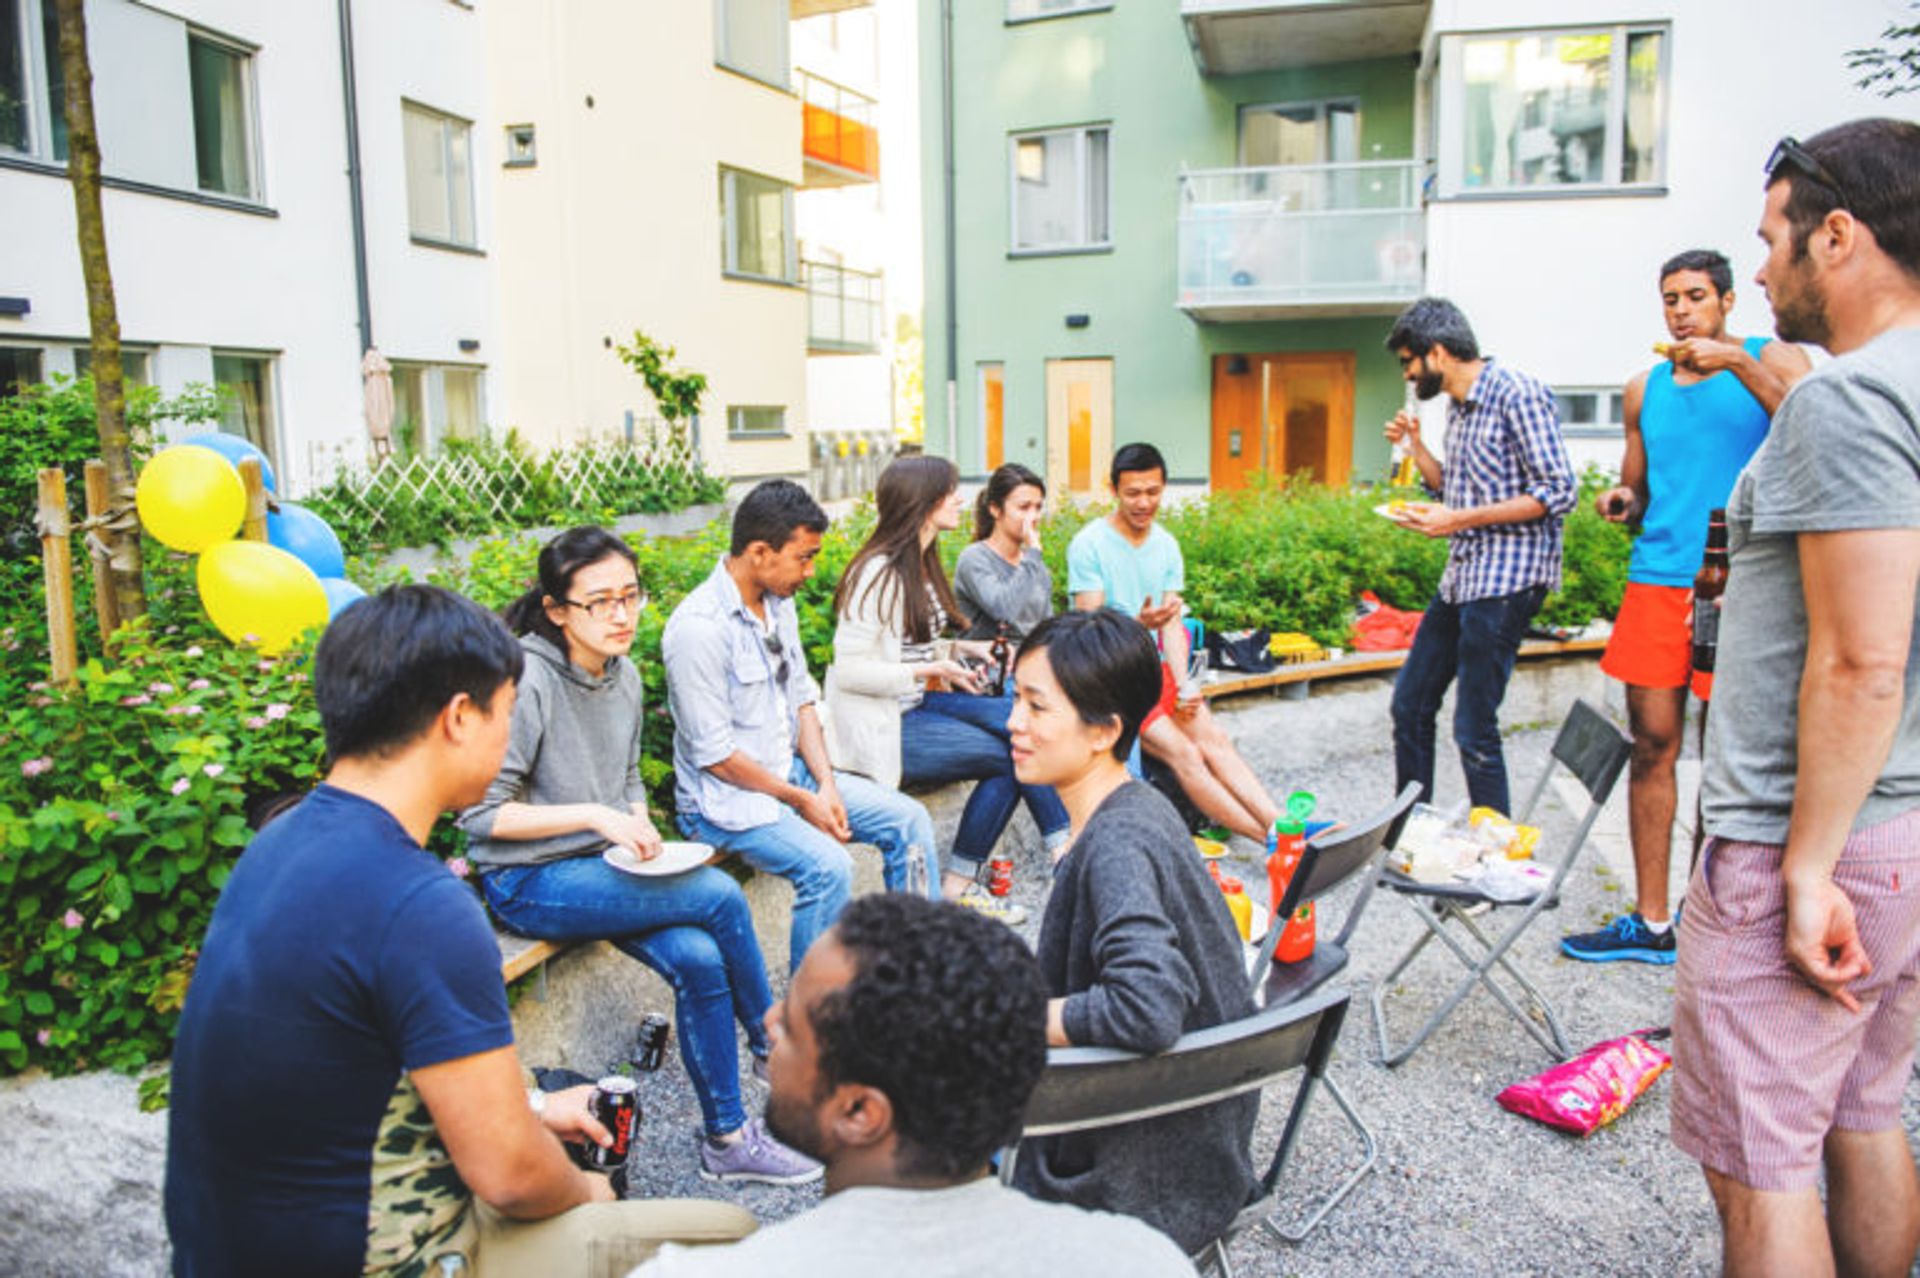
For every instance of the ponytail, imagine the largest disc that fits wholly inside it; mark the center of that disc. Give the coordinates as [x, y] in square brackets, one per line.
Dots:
[1000, 486]
[560, 559]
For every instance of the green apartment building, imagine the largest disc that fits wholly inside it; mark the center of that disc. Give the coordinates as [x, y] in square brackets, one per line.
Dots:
[1188, 222]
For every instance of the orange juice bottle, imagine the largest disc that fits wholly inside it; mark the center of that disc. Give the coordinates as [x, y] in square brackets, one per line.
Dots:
[1286, 845]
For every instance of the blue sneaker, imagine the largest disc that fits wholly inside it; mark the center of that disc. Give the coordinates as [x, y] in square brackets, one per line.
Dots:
[1627, 937]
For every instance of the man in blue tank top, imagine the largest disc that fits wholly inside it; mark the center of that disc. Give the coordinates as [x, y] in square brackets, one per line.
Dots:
[1692, 421]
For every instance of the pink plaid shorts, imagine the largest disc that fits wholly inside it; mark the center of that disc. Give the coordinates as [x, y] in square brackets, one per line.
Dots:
[1764, 1064]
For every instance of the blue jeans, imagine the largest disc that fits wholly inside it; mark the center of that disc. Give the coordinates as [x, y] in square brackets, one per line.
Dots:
[1475, 641]
[816, 863]
[956, 736]
[693, 928]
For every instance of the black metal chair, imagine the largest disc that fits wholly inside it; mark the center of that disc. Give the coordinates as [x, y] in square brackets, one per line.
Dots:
[1085, 1088]
[1595, 751]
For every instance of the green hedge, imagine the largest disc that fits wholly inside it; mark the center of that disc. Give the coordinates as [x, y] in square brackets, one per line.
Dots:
[123, 800]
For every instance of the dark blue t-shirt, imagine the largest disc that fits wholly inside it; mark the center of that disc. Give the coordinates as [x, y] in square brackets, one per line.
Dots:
[340, 956]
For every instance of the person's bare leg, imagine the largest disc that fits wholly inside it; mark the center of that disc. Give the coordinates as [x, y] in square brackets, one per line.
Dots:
[1656, 717]
[1168, 744]
[1873, 1203]
[1767, 1234]
[1217, 748]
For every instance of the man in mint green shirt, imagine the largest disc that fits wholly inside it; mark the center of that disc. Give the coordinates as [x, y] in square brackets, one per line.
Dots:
[1128, 562]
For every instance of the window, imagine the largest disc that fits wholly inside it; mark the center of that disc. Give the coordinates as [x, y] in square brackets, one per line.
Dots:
[750, 36]
[1547, 111]
[19, 368]
[135, 366]
[757, 231]
[1590, 411]
[1060, 190]
[218, 76]
[520, 150]
[746, 421]
[439, 176]
[1028, 10]
[1300, 133]
[434, 403]
[245, 383]
[32, 86]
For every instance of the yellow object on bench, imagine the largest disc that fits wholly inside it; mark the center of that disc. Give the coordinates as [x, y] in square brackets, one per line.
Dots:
[1292, 648]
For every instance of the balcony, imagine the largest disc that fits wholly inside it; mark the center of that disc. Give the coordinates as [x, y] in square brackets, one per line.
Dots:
[844, 310]
[814, 8]
[837, 139]
[1301, 241]
[1235, 37]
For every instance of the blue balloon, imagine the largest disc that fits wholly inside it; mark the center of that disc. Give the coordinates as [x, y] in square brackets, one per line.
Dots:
[341, 595]
[235, 449]
[306, 537]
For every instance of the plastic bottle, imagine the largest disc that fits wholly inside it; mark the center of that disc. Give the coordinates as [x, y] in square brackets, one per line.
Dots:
[1239, 906]
[1286, 845]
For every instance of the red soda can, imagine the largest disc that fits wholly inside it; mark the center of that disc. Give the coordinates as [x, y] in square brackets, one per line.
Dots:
[616, 1104]
[1000, 875]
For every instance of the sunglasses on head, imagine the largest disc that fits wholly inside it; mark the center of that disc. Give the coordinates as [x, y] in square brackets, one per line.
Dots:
[1789, 151]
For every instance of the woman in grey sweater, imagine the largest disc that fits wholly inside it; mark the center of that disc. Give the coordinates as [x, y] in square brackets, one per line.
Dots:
[1137, 945]
[569, 790]
[1001, 578]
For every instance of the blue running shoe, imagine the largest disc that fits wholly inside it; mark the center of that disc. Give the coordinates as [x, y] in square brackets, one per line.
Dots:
[1627, 937]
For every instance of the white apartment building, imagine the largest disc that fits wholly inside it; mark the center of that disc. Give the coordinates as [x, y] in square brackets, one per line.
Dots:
[229, 205]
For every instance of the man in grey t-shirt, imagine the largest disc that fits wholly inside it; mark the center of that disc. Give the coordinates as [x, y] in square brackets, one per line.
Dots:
[903, 1056]
[1796, 1002]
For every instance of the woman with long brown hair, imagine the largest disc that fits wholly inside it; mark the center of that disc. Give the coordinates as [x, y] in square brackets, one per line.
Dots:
[904, 708]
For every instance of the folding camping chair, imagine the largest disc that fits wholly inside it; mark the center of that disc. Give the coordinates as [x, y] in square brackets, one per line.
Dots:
[1085, 1088]
[1333, 858]
[1594, 751]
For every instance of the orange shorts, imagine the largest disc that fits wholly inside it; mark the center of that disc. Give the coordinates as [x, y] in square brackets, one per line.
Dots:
[1169, 693]
[1652, 643]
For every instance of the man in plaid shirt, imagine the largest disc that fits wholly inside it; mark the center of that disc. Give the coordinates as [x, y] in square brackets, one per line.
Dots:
[1504, 488]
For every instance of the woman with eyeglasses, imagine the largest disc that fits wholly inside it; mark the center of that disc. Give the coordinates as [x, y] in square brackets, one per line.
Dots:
[569, 790]
[905, 708]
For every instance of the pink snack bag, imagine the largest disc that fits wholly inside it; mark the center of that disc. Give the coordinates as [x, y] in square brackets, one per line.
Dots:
[1592, 1089]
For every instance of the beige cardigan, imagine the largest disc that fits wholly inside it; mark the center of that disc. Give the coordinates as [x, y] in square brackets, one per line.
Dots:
[868, 678]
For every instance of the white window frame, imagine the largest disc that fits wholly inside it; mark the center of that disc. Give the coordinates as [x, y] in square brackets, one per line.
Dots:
[1605, 425]
[1085, 244]
[1019, 11]
[735, 416]
[37, 84]
[722, 55]
[1452, 138]
[269, 395]
[729, 242]
[445, 118]
[432, 424]
[249, 114]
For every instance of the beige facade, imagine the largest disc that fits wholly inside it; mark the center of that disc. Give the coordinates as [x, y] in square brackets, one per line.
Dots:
[614, 223]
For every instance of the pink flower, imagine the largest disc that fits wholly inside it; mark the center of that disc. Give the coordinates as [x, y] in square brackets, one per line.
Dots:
[38, 685]
[297, 676]
[214, 769]
[137, 699]
[199, 685]
[72, 920]
[180, 787]
[279, 710]
[34, 767]
[43, 1037]
[186, 710]
[112, 815]
[40, 700]
[160, 687]
[194, 650]
[264, 664]
[171, 630]
[256, 722]
[459, 867]
[249, 637]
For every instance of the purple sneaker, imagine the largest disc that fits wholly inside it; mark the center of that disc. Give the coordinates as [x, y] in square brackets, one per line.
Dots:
[756, 1156]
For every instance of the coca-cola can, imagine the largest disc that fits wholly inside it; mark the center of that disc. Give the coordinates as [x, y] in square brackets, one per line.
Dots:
[650, 1052]
[1000, 875]
[616, 1105]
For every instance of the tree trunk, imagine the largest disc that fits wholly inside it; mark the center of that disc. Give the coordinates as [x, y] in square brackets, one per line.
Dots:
[122, 529]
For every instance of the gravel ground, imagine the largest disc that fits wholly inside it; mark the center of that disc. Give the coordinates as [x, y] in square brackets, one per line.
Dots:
[1462, 1187]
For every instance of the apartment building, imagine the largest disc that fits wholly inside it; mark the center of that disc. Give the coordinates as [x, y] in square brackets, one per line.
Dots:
[1192, 221]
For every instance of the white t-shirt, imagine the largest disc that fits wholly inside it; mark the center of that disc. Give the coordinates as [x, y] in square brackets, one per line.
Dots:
[967, 1230]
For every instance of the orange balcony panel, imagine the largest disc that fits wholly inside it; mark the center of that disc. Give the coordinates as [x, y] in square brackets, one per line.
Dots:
[831, 138]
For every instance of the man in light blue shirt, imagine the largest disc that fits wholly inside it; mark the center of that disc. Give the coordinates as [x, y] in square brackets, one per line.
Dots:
[1128, 562]
[750, 765]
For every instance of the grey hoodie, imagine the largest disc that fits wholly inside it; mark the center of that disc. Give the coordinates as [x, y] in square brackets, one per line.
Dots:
[576, 739]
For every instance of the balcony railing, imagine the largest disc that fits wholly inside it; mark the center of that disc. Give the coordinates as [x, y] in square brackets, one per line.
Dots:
[838, 137]
[844, 309]
[1292, 241]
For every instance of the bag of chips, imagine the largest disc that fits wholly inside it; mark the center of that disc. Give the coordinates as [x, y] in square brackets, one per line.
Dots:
[1592, 1089]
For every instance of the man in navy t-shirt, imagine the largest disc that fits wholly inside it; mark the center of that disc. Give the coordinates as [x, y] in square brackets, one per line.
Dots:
[345, 1084]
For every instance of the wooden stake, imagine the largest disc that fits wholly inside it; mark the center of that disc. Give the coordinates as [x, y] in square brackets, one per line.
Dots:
[254, 526]
[105, 607]
[56, 554]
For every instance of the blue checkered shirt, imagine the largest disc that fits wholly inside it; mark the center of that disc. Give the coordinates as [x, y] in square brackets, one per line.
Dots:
[1502, 442]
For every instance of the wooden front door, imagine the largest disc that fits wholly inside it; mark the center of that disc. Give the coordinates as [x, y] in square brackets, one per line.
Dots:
[1280, 414]
[1079, 425]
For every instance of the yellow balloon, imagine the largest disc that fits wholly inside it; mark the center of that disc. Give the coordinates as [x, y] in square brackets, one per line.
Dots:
[190, 498]
[259, 594]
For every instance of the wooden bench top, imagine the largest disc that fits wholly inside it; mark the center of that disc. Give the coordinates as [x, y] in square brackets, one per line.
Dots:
[1225, 684]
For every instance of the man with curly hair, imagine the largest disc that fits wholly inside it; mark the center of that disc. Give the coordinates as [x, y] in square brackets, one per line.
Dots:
[903, 1056]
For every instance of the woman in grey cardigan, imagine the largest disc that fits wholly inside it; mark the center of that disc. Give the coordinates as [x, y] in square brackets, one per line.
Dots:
[1137, 945]
[1001, 579]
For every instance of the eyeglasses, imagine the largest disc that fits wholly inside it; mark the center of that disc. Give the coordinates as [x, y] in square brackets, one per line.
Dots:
[778, 652]
[607, 607]
[1789, 151]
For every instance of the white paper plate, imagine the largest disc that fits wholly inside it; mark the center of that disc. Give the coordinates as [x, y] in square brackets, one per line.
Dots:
[1385, 511]
[674, 858]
